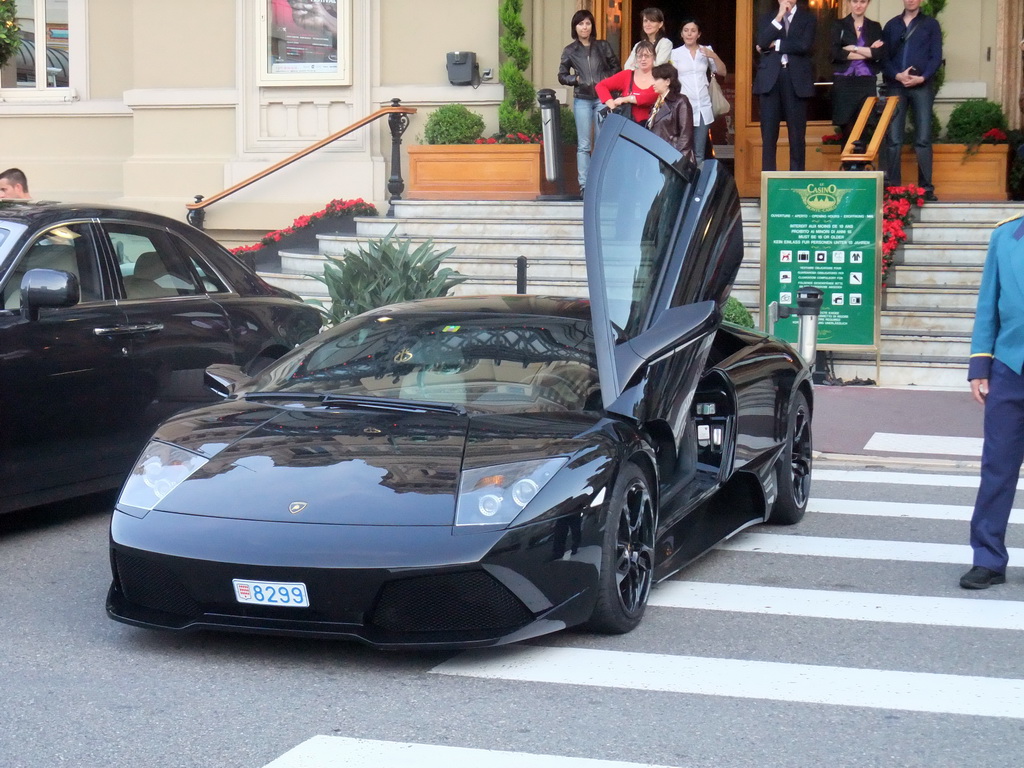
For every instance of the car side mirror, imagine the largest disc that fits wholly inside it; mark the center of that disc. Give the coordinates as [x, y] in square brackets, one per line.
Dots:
[47, 289]
[222, 378]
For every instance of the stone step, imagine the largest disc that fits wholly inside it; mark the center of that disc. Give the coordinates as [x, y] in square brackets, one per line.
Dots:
[988, 214]
[478, 245]
[959, 254]
[930, 298]
[926, 345]
[488, 209]
[480, 284]
[904, 373]
[441, 229]
[948, 232]
[912, 321]
[935, 276]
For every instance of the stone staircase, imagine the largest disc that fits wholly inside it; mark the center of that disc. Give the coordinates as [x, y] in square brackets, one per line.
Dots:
[927, 314]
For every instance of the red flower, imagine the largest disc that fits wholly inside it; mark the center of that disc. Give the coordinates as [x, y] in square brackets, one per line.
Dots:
[993, 136]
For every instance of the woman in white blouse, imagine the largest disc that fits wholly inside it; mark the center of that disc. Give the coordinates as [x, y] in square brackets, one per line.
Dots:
[653, 23]
[692, 62]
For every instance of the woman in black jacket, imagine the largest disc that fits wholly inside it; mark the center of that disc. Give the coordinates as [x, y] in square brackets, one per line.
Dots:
[672, 115]
[585, 61]
[858, 53]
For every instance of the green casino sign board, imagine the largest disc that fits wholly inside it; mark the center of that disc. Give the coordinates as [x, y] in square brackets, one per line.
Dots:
[825, 231]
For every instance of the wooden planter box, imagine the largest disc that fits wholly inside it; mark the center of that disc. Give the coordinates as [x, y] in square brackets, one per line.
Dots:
[475, 172]
[955, 174]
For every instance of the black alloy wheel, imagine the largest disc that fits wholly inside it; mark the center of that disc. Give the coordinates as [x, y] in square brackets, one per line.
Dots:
[794, 466]
[627, 562]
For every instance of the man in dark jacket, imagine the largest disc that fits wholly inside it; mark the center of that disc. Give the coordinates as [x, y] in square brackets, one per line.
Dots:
[785, 80]
[914, 42]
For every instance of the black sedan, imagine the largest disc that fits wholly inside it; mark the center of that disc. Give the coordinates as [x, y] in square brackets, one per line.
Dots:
[479, 470]
[108, 319]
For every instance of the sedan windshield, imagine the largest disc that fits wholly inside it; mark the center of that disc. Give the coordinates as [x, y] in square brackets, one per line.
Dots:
[520, 363]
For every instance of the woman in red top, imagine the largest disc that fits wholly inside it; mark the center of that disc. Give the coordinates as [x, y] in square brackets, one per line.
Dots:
[636, 86]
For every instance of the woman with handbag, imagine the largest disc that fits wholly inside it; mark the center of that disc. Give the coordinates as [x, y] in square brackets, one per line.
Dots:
[858, 54]
[698, 66]
[636, 87]
[652, 20]
[672, 117]
[585, 62]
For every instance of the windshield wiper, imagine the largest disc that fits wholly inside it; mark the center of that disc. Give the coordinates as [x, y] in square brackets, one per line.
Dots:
[361, 401]
[305, 397]
[394, 404]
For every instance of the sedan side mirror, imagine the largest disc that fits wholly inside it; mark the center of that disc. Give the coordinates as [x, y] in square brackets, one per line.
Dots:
[47, 288]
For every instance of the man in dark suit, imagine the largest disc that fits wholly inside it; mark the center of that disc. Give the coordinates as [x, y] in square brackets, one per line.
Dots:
[997, 357]
[785, 80]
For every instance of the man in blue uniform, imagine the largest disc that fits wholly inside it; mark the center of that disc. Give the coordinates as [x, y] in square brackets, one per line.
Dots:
[997, 358]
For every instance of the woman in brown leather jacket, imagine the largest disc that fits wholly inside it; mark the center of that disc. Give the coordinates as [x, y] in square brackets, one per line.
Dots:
[585, 62]
[672, 116]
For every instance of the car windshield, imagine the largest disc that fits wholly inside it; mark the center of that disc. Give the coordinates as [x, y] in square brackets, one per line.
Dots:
[510, 363]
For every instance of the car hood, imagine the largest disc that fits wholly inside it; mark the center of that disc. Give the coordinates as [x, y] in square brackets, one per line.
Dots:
[346, 466]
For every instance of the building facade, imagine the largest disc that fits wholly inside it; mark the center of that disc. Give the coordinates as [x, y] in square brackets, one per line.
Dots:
[149, 104]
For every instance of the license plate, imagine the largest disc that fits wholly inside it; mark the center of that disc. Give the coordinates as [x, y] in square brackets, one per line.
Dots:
[288, 594]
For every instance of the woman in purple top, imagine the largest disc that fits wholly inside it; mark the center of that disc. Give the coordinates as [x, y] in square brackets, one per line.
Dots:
[858, 53]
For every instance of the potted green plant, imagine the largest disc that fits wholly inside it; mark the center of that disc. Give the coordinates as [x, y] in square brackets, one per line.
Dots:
[386, 271]
[457, 163]
[971, 161]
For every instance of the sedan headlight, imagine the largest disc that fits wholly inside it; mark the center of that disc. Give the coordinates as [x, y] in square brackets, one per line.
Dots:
[496, 495]
[161, 468]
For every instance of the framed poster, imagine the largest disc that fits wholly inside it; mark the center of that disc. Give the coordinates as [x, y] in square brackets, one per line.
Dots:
[307, 41]
[824, 230]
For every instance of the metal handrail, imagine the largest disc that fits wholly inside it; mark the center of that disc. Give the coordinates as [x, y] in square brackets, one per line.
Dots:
[853, 160]
[398, 121]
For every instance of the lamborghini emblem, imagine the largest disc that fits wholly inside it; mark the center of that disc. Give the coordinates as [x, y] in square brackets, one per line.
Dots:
[296, 506]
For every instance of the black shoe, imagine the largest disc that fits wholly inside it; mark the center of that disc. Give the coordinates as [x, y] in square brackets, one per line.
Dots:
[929, 197]
[981, 578]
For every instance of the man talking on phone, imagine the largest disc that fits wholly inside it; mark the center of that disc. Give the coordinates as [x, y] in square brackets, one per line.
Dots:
[914, 42]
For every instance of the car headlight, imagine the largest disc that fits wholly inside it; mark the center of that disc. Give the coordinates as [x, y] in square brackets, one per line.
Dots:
[161, 468]
[496, 495]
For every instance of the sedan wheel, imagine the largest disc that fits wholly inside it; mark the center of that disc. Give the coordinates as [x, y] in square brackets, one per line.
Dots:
[627, 562]
[794, 466]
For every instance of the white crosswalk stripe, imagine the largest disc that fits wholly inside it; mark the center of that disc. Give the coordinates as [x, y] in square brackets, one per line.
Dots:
[341, 752]
[899, 509]
[876, 688]
[864, 549]
[899, 478]
[852, 606]
[890, 442]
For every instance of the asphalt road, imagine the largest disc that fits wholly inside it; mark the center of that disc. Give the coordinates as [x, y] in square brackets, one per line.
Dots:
[818, 684]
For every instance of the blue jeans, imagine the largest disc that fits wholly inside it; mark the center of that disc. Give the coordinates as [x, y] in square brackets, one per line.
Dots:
[920, 100]
[700, 141]
[587, 119]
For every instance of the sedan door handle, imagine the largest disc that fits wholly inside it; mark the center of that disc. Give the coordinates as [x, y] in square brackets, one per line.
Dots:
[129, 330]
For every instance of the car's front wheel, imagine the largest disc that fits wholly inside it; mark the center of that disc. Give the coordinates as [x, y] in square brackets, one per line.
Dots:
[794, 466]
[627, 557]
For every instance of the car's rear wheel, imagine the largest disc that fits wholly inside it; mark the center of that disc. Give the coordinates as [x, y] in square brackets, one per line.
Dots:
[627, 558]
[794, 466]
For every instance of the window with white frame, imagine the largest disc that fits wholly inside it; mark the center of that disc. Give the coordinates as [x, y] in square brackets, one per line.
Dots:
[307, 41]
[48, 64]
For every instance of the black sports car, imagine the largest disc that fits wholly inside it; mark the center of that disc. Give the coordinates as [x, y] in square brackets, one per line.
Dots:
[108, 320]
[479, 470]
